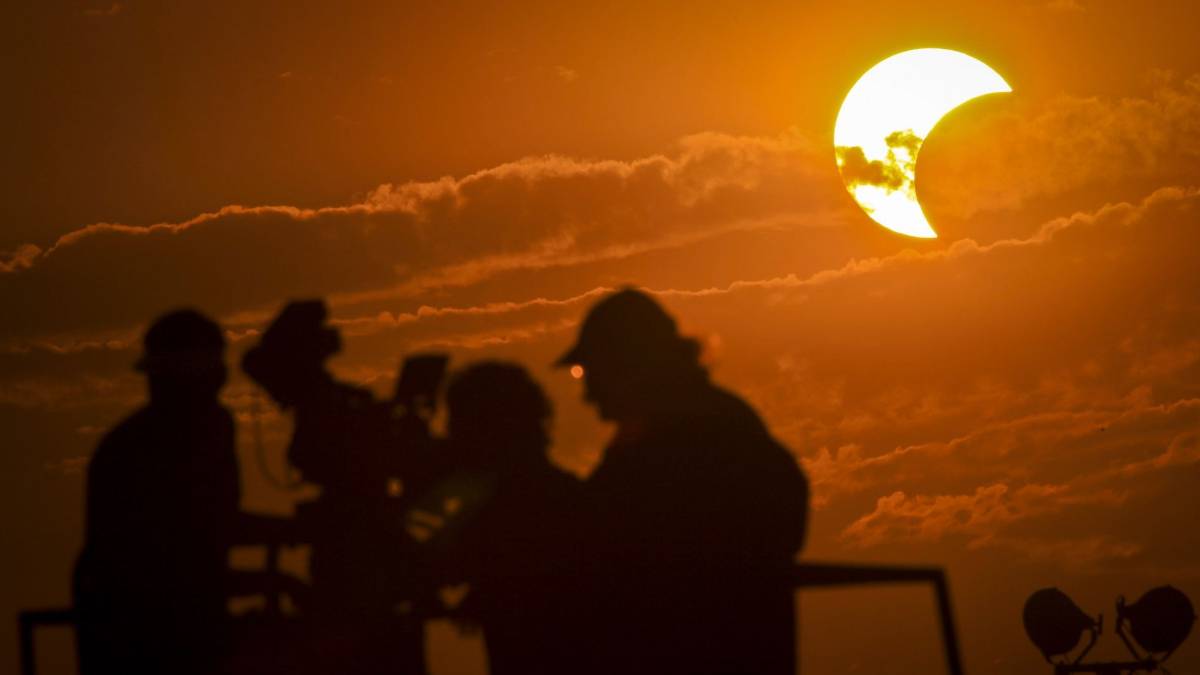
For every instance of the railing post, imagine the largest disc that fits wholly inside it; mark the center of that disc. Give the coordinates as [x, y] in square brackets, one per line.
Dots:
[25, 639]
[949, 634]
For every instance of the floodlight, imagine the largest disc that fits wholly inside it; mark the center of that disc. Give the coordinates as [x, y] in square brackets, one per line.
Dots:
[1159, 621]
[1055, 623]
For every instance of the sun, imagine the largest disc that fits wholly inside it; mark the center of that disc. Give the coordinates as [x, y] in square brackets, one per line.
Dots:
[885, 119]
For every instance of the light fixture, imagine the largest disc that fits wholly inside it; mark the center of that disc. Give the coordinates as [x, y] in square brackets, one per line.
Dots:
[1160, 620]
[1055, 623]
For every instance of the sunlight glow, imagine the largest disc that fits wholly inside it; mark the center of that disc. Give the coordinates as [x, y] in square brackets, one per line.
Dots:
[885, 119]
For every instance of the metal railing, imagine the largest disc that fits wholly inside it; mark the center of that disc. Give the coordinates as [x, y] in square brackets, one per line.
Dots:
[831, 575]
[29, 621]
[807, 576]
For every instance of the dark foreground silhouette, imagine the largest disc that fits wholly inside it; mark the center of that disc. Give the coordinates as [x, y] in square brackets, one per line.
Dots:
[162, 505]
[675, 556]
[693, 493]
[1158, 623]
[369, 595]
[516, 546]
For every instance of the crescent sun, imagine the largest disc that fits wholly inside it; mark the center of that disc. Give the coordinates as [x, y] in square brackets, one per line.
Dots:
[886, 117]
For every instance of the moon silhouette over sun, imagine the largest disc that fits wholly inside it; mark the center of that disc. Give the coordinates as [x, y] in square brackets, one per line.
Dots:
[885, 119]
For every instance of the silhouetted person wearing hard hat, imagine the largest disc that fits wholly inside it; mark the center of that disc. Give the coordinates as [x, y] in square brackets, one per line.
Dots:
[365, 597]
[696, 512]
[162, 503]
[515, 543]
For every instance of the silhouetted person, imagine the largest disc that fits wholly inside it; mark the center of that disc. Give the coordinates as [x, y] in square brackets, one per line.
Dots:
[696, 511]
[515, 545]
[367, 592]
[162, 502]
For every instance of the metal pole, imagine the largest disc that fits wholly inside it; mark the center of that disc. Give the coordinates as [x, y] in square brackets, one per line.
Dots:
[949, 634]
[25, 641]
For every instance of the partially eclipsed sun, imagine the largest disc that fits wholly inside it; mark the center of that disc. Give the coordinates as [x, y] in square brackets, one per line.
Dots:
[886, 117]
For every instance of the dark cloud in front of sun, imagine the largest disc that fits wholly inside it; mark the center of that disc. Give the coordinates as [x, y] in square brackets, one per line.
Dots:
[858, 170]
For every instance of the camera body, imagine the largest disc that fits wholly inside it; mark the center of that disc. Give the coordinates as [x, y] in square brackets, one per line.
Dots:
[371, 458]
[359, 448]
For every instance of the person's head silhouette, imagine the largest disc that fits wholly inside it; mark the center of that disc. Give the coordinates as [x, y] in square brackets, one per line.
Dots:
[291, 356]
[633, 356]
[183, 358]
[498, 414]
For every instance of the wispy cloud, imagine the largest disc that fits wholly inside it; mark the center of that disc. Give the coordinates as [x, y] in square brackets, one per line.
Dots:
[1065, 6]
[567, 75]
[112, 10]
[414, 237]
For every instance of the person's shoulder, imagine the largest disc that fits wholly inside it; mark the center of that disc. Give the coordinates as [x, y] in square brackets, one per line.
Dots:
[122, 439]
[130, 428]
[727, 408]
[730, 416]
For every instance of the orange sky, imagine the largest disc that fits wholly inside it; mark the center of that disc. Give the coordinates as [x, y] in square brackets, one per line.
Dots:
[1018, 400]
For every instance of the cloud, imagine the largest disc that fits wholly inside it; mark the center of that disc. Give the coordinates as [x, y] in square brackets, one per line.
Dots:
[67, 393]
[68, 466]
[410, 238]
[1129, 430]
[112, 10]
[404, 241]
[894, 172]
[1055, 366]
[1025, 362]
[858, 170]
[1063, 359]
[387, 320]
[22, 258]
[1182, 450]
[1065, 6]
[976, 515]
[1153, 362]
[1027, 148]
[963, 384]
[983, 518]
